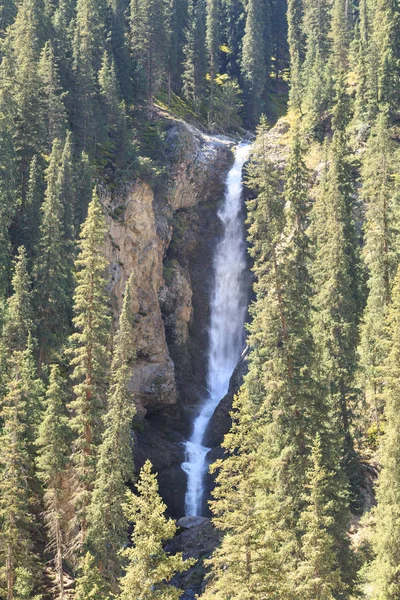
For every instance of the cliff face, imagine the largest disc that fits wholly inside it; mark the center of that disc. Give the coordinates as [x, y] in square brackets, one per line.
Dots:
[166, 241]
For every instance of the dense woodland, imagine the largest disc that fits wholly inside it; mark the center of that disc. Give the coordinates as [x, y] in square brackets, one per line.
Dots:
[83, 87]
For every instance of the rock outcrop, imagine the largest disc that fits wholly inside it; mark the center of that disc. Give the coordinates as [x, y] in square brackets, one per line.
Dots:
[166, 241]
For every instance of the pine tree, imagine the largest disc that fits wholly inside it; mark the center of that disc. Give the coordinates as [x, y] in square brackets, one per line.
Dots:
[15, 493]
[177, 16]
[52, 466]
[18, 322]
[247, 564]
[108, 527]
[9, 174]
[387, 41]
[195, 64]
[29, 212]
[89, 352]
[88, 47]
[254, 66]
[318, 576]
[89, 584]
[380, 254]
[364, 59]
[148, 42]
[335, 302]
[25, 41]
[52, 279]
[20, 412]
[213, 8]
[315, 80]
[296, 50]
[150, 568]
[53, 104]
[386, 541]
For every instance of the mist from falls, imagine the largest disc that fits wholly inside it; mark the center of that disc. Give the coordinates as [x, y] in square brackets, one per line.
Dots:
[226, 335]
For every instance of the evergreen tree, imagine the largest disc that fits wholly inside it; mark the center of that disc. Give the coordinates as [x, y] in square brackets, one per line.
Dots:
[296, 50]
[387, 41]
[88, 47]
[315, 79]
[89, 357]
[53, 105]
[15, 494]
[335, 315]
[29, 212]
[380, 254]
[255, 68]
[52, 466]
[384, 569]
[89, 584]
[52, 279]
[177, 16]
[26, 34]
[20, 412]
[213, 8]
[9, 174]
[18, 322]
[108, 528]
[247, 564]
[195, 64]
[364, 61]
[150, 568]
[318, 576]
[148, 42]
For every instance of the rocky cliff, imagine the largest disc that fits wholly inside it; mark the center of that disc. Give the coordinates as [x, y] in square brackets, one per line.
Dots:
[166, 240]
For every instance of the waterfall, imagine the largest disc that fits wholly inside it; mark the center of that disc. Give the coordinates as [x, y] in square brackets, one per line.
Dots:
[226, 336]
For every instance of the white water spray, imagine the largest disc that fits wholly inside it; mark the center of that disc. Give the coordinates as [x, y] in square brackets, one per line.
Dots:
[228, 314]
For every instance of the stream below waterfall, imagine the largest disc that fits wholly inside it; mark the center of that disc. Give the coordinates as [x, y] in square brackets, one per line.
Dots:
[227, 335]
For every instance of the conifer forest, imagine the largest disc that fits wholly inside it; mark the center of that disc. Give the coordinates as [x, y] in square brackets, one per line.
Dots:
[199, 299]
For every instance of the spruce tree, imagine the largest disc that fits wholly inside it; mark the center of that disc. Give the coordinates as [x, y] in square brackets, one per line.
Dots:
[89, 358]
[88, 47]
[149, 42]
[380, 255]
[213, 8]
[108, 527]
[195, 64]
[18, 321]
[52, 96]
[52, 279]
[89, 584]
[247, 563]
[20, 413]
[386, 34]
[26, 35]
[296, 50]
[29, 213]
[315, 77]
[317, 576]
[52, 467]
[150, 567]
[255, 68]
[15, 493]
[335, 301]
[386, 540]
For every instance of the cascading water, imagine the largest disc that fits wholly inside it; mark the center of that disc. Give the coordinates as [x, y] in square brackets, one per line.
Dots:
[226, 339]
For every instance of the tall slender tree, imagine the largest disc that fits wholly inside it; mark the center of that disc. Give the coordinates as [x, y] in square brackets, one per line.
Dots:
[52, 465]
[108, 527]
[89, 358]
[150, 567]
